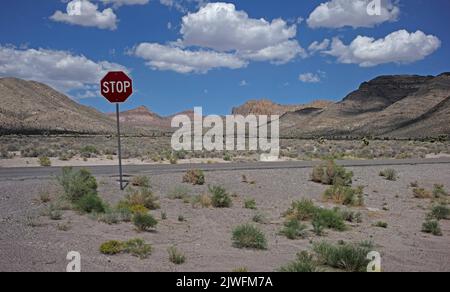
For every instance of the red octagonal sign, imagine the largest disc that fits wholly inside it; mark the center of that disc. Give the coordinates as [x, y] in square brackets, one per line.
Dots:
[116, 87]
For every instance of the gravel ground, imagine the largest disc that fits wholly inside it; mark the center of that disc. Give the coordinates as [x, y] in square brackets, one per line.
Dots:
[205, 236]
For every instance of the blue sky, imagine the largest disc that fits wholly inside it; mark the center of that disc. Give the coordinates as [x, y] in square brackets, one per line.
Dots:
[141, 38]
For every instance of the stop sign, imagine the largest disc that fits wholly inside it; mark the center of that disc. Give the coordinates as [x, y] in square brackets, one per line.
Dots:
[116, 87]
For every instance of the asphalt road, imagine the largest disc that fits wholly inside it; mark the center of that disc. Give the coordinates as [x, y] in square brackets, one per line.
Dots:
[130, 170]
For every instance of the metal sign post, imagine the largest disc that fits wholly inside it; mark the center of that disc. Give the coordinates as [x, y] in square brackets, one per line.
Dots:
[120, 146]
[116, 87]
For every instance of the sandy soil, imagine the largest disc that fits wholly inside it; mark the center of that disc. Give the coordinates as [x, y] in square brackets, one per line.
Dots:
[205, 237]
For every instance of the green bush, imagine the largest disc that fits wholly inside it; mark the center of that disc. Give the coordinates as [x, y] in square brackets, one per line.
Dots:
[302, 210]
[439, 212]
[45, 161]
[304, 263]
[220, 197]
[250, 204]
[248, 236]
[330, 173]
[381, 224]
[432, 227]
[389, 174]
[345, 195]
[144, 222]
[293, 229]
[331, 219]
[112, 247]
[90, 203]
[348, 257]
[77, 184]
[175, 256]
[88, 151]
[195, 177]
[439, 191]
[138, 248]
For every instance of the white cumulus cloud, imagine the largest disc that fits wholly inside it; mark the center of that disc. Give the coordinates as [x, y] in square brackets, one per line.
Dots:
[164, 57]
[60, 69]
[219, 31]
[353, 13]
[85, 13]
[398, 47]
[309, 78]
[319, 46]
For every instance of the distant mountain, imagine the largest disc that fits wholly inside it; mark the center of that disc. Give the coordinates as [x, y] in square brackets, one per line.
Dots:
[267, 107]
[141, 117]
[32, 107]
[387, 106]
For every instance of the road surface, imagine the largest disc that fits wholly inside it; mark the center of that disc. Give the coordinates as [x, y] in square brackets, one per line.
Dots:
[129, 170]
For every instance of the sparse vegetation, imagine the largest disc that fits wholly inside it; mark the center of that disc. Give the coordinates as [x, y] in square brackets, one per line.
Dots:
[293, 229]
[439, 191]
[439, 212]
[175, 256]
[181, 218]
[330, 173]
[144, 222]
[389, 174]
[260, 218]
[195, 177]
[250, 204]
[345, 195]
[136, 247]
[248, 236]
[305, 263]
[302, 210]
[45, 197]
[219, 197]
[381, 224]
[179, 193]
[348, 257]
[331, 219]
[89, 203]
[203, 201]
[44, 161]
[421, 193]
[432, 227]
[142, 196]
[140, 181]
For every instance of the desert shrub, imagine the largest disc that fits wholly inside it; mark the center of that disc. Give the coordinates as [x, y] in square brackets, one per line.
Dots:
[77, 184]
[318, 227]
[138, 209]
[381, 224]
[421, 193]
[179, 193]
[44, 197]
[330, 173]
[331, 219]
[88, 151]
[90, 203]
[144, 222]
[439, 212]
[414, 184]
[302, 210]
[219, 197]
[248, 236]
[140, 181]
[138, 248]
[45, 161]
[64, 226]
[293, 229]
[111, 247]
[203, 201]
[195, 177]
[142, 196]
[305, 263]
[432, 227]
[348, 257]
[175, 256]
[110, 217]
[181, 218]
[227, 157]
[345, 195]
[54, 213]
[389, 174]
[350, 216]
[439, 191]
[260, 218]
[250, 204]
